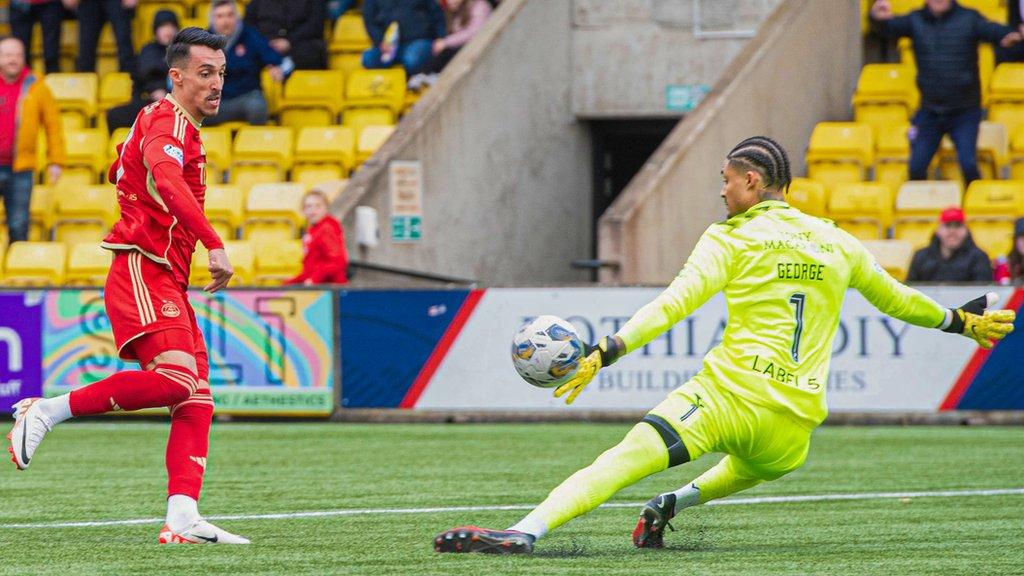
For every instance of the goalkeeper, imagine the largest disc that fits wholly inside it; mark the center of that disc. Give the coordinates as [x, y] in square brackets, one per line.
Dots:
[761, 391]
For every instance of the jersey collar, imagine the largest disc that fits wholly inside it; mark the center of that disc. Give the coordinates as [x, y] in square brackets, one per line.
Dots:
[183, 111]
[756, 210]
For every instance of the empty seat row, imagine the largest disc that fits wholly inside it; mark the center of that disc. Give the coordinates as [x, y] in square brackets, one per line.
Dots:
[868, 210]
[261, 263]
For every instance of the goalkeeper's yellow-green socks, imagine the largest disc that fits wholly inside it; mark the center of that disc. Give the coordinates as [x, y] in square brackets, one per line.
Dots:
[640, 454]
[720, 481]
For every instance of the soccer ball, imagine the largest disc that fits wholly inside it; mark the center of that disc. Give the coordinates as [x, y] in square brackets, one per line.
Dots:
[546, 351]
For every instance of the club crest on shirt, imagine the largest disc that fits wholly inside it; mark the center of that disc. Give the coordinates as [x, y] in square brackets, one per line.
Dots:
[169, 310]
[176, 153]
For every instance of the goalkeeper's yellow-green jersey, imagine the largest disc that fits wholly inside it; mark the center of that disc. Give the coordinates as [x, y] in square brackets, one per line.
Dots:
[784, 275]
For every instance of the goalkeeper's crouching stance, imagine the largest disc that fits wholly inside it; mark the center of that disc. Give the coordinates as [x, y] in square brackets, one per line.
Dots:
[762, 390]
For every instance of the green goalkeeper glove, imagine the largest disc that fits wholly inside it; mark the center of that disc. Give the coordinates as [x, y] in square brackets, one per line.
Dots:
[974, 321]
[608, 350]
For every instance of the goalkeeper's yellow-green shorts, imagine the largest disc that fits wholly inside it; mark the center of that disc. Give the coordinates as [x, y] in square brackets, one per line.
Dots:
[707, 417]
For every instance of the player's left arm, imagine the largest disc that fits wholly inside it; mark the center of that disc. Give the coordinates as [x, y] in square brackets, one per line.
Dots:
[895, 299]
[706, 272]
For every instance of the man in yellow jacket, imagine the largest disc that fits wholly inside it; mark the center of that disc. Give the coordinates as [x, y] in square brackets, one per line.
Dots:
[25, 104]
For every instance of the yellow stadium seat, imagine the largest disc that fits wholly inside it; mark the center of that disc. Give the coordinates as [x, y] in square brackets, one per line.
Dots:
[40, 210]
[346, 63]
[993, 10]
[241, 255]
[840, 152]
[86, 152]
[886, 94]
[993, 152]
[360, 118]
[115, 89]
[245, 177]
[225, 207]
[313, 175]
[862, 209]
[115, 140]
[349, 35]
[75, 93]
[84, 214]
[332, 188]
[986, 67]
[261, 150]
[272, 91]
[88, 265]
[331, 145]
[312, 98]
[277, 261]
[1006, 96]
[370, 139]
[809, 196]
[376, 88]
[35, 264]
[991, 207]
[1017, 155]
[273, 211]
[217, 145]
[892, 255]
[918, 205]
[892, 152]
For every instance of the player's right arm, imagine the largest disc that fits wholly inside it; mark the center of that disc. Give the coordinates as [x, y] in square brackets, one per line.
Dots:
[905, 303]
[705, 273]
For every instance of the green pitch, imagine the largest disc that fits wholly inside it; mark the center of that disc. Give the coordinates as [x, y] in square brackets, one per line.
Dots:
[114, 471]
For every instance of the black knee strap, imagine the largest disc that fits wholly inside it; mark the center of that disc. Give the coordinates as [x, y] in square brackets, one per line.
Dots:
[677, 452]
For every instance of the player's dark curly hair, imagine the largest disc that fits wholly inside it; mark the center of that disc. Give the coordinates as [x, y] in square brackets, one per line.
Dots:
[764, 156]
[186, 38]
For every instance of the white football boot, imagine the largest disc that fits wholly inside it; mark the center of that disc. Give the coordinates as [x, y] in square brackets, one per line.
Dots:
[30, 427]
[200, 532]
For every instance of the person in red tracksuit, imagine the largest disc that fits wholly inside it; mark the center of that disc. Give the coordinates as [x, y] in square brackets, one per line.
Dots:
[325, 260]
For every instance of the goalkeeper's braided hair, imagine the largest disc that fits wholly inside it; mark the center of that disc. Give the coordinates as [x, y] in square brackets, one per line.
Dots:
[765, 156]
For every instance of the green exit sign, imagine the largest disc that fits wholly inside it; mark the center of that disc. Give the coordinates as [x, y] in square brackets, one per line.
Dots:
[406, 228]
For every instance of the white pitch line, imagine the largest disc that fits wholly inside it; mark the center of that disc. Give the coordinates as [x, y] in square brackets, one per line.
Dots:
[514, 507]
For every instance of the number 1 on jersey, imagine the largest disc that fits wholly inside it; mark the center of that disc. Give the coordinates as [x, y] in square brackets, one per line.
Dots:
[797, 300]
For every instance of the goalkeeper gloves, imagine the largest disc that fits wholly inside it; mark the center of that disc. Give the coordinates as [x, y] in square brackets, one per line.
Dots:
[608, 350]
[974, 321]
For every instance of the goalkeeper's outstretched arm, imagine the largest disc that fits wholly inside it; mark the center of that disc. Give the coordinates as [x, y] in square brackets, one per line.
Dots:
[895, 299]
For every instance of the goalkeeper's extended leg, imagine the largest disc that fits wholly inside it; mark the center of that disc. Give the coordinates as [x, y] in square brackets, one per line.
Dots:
[641, 453]
[725, 478]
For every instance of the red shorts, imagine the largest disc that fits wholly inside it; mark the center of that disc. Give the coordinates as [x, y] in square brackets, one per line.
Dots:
[149, 311]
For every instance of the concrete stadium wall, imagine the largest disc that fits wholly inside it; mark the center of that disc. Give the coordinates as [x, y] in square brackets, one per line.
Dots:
[627, 52]
[800, 69]
[506, 165]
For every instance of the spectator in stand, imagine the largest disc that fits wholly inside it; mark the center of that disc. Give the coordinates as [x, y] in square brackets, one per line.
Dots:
[1010, 268]
[25, 104]
[1013, 19]
[23, 14]
[952, 255]
[467, 18]
[92, 14]
[149, 83]
[248, 53]
[946, 37]
[325, 260]
[417, 24]
[294, 28]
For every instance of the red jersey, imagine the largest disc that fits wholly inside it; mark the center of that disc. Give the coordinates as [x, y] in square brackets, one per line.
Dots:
[325, 260]
[150, 222]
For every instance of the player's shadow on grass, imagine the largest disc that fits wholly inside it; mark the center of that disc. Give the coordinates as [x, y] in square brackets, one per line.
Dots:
[581, 550]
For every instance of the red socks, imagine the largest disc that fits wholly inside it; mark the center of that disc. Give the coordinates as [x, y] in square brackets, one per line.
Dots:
[165, 385]
[188, 444]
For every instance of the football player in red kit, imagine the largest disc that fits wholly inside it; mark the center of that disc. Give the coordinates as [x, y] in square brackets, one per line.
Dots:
[161, 185]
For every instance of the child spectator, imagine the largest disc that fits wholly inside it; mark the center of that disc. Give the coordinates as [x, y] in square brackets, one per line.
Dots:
[1010, 268]
[467, 18]
[326, 260]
